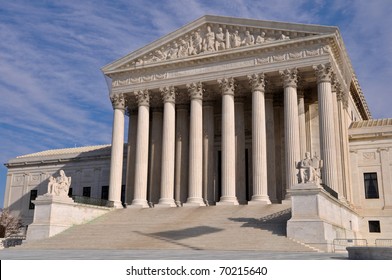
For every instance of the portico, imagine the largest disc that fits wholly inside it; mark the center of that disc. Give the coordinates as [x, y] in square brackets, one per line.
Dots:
[220, 139]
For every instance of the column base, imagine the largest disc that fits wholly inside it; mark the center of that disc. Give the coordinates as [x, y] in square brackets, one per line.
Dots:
[227, 200]
[116, 204]
[259, 200]
[165, 203]
[140, 203]
[194, 201]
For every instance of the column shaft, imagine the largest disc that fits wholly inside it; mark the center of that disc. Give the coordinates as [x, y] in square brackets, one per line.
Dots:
[291, 127]
[168, 148]
[259, 141]
[327, 127]
[228, 144]
[141, 163]
[195, 147]
[338, 139]
[117, 157]
[302, 126]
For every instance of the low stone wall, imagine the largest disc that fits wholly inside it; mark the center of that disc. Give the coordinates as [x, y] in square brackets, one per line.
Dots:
[369, 253]
[318, 218]
[54, 214]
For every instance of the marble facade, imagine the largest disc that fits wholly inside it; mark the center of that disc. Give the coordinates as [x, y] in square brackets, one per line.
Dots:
[222, 111]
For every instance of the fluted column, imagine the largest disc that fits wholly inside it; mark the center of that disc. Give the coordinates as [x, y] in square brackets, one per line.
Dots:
[228, 143]
[301, 122]
[168, 148]
[141, 163]
[131, 151]
[240, 149]
[259, 141]
[182, 145]
[208, 152]
[335, 87]
[291, 127]
[327, 127]
[117, 157]
[195, 146]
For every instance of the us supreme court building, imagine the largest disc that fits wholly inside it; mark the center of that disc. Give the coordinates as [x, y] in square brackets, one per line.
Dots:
[221, 112]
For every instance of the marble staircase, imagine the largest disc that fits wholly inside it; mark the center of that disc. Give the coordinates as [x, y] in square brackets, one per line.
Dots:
[243, 227]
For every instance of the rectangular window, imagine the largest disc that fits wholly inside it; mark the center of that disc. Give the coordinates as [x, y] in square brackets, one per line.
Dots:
[374, 226]
[105, 192]
[371, 185]
[70, 192]
[33, 196]
[87, 191]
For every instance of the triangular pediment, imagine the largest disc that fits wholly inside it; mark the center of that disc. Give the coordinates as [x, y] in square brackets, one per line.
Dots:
[214, 34]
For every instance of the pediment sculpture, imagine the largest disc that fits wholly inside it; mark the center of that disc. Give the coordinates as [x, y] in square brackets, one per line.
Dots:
[59, 186]
[209, 38]
[309, 169]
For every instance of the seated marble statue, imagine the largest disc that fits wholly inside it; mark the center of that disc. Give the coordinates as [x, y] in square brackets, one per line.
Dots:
[309, 169]
[59, 186]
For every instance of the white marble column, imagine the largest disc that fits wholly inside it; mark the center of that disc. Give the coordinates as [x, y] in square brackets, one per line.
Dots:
[195, 191]
[168, 148]
[342, 99]
[141, 163]
[131, 151]
[259, 141]
[117, 157]
[228, 143]
[291, 127]
[327, 127]
[301, 122]
[208, 152]
[335, 87]
[240, 149]
[182, 155]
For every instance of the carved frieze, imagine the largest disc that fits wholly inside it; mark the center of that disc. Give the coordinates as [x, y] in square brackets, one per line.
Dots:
[213, 38]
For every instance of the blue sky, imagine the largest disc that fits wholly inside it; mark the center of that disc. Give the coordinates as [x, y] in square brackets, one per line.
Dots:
[53, 94]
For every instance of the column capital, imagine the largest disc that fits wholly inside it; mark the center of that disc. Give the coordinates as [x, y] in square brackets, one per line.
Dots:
[290, 77]
[257, 81]
[142, 97]
[168, 94]
[227, 86]
[323, 72]
[195, 90]
[118, 101]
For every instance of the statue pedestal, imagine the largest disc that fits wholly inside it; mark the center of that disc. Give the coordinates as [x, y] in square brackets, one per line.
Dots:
[318, 218]
[55, 213]
[51, 216]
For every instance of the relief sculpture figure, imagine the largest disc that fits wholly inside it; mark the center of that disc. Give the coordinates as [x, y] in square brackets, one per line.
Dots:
[209, 40]
[220, 40]
[309, 170]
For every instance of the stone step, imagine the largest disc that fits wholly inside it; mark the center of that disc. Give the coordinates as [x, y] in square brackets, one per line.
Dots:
[241, 227]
